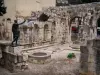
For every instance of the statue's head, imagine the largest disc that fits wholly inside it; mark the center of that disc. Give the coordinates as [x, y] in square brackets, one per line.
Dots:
[15, 21]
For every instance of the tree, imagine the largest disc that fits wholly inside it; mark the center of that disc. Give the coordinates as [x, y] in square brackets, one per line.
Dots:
[2, 8]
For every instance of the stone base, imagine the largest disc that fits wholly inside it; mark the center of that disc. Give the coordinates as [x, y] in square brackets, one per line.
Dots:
[12, 62]
[12, 58]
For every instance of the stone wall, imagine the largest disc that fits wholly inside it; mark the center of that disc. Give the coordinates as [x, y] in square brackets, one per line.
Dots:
[36, 33]
[87, 15]
[84, 17]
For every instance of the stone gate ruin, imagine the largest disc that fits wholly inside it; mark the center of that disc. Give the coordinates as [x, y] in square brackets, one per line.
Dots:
[73, 24]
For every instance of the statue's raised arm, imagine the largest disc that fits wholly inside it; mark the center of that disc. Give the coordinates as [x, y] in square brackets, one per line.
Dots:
[22, 22]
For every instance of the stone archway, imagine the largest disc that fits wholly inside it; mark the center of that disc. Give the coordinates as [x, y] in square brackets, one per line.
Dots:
[36, 32]
[46, 32]
[98, 27]
[74, 29]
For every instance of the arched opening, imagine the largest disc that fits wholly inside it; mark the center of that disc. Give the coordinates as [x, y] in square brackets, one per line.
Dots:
[36, 32]
[45, 32]
[98, 27]
[53, 32]
[75, 23]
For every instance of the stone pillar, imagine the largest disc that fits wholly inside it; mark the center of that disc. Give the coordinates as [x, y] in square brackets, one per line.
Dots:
[41, 33]
[67, 31]
[84, 59]
[69, 38]
[58, 31]
[0, 53]
[8, 28]
[21, 38]
[28, 32]
[89, 57]
[49, 35]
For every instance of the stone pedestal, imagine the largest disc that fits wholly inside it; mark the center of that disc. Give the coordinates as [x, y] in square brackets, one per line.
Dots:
[12, 59]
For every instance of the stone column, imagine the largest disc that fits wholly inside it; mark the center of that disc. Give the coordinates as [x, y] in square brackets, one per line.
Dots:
[88, 57]
[0, 53]
[58, 32]
[91, 57]
[67, 30]
[21, 38]
[84, 59]
[69, 38]
[41, 33]
[28, 32]
[49, 35]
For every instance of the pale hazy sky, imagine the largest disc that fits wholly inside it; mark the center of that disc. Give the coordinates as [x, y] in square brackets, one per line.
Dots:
[34, 4]
[26, 6]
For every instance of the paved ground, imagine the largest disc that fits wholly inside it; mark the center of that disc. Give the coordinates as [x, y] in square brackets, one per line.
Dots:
[58, 65]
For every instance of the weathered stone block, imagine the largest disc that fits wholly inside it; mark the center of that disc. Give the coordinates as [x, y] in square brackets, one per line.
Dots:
[10, 57]
[3, 48]
[91, 67]
[13, 58]
[25, 56]
[87, 73]
[92, 58]
[11, 49]
[84, 66]
[89, 43]
[0, 53]
[84, 57]
[91, 51]
[96, 43]
[10, 66]
[1, 62]
[20, 58]
[98, 73]
[84, 49]
[17, 50]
